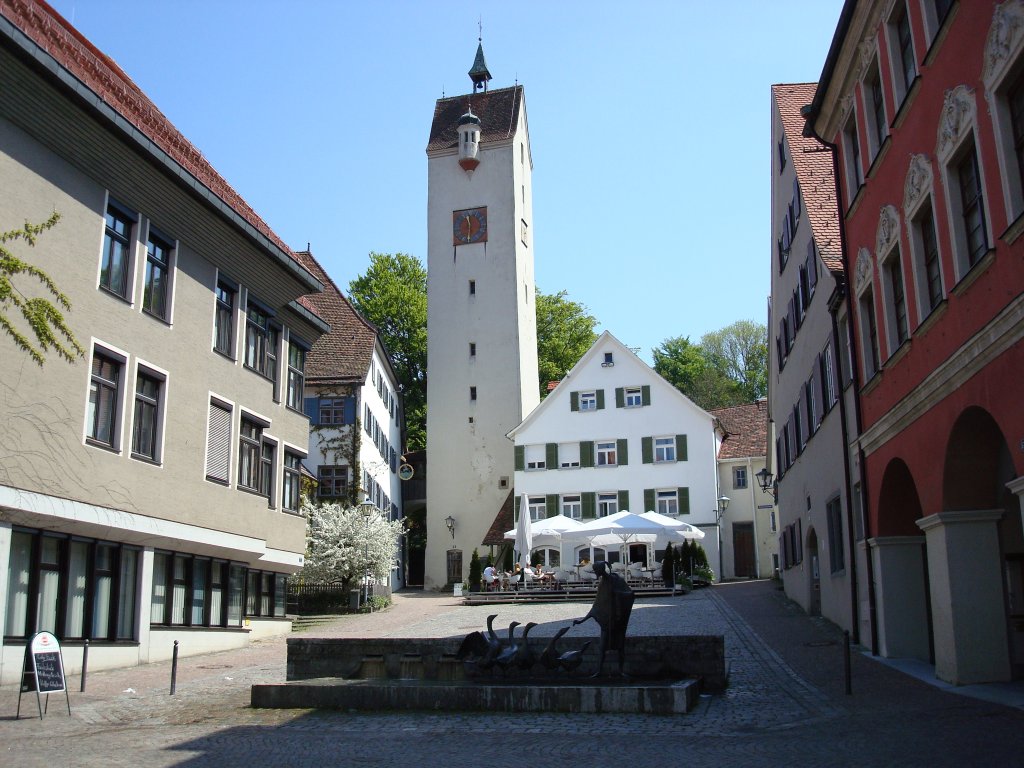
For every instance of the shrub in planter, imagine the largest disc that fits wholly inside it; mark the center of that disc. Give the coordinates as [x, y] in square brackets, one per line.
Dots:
[475, 572]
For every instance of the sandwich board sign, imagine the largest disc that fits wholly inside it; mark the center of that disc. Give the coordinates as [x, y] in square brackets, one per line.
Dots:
[43, 670]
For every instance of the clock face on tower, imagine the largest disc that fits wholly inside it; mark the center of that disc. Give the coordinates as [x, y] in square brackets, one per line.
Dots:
[469, 226]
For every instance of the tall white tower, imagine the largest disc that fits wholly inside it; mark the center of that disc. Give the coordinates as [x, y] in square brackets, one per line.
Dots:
[481, 318]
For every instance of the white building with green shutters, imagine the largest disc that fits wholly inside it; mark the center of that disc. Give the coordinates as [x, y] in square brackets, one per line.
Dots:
[614, 435]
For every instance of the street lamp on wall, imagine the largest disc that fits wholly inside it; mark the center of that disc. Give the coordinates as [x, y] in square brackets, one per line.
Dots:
[723, 504]
[768, 483]
[449, 523]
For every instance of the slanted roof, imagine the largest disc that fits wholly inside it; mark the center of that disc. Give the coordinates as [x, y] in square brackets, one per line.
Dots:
[342, 355]
[498, 112]
[746, 430]
[503, 521]
[812, 162]
[98, 73]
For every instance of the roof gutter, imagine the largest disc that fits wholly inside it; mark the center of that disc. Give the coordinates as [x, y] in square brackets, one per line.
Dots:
[811, 113]
[94, 103]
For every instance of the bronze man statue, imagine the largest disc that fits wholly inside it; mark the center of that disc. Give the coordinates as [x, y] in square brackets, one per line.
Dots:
[611, 610]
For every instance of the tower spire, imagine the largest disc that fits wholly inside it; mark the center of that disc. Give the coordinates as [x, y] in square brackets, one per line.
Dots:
[479, 73]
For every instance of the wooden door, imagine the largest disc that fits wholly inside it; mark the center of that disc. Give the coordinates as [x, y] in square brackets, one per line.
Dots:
[744, 565]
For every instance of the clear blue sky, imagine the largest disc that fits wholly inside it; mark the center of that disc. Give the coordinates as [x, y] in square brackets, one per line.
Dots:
[649, 124]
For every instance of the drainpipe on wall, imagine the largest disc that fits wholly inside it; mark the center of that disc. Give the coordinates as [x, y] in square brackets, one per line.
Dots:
[836, 298]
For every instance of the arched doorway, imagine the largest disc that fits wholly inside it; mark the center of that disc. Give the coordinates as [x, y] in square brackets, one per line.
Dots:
[980, 553]
[813, 573]
[901, 569]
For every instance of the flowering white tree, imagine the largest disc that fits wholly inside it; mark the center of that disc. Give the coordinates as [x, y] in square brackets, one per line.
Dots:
[342, 543]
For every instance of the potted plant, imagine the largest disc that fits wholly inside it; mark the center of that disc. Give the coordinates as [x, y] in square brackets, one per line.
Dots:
[475, 572]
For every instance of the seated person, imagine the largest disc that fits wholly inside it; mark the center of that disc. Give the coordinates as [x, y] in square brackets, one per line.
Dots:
[490, 577]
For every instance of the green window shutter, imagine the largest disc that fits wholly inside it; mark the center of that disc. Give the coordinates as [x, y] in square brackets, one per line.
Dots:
[551, 455]
[649, 503]
[620, 397]
[647, 450]
[574, 401]
[519, 510]
[586, 454]
[600, 399]
[680, 447]
[623, 500]
[645, 394]
[551, 504]
[520, 458]
[588, 501]
[684, 501]
[622, 451]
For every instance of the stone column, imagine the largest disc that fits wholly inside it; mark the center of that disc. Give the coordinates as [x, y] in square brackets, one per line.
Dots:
[968, 611]
[901, 597]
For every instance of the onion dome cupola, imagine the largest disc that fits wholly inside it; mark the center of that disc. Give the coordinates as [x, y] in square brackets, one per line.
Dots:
[469, 140]
[479, 72]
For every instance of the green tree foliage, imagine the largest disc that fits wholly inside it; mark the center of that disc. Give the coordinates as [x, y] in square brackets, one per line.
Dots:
[728, 367]
[392, 294]
[43, 316]
[740, 352]
[565, 331]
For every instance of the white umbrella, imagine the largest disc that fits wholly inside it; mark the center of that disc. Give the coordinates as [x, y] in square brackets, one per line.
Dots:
[547, 531]
[621, 528]
[678, 527]
[524, 534]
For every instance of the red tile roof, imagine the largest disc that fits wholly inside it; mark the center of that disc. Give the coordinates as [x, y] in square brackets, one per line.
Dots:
[341, 356]
[746, 428]
[72, 51]
[498, 112]
[505, 520]
[812, 162]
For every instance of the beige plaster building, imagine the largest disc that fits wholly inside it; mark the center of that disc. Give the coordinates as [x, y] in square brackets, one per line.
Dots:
[149, 490]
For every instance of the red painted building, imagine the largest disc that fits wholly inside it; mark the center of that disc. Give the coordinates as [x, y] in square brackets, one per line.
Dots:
[924, 102]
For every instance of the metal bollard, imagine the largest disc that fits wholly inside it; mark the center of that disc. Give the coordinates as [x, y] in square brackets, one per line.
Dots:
[174, 668]
[85, 665]
[846, 661]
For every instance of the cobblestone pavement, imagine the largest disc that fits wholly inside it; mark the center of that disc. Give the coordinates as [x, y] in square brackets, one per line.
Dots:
[785, 704]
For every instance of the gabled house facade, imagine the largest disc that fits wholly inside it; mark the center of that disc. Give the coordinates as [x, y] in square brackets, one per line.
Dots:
[811, 403]
[923, 102]
[354, 409]
[749, 524]
[613, 436]
[145, 490]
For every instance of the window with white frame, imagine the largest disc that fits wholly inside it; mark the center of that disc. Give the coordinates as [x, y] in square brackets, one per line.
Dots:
[897, 304]
[1003, 76]
[739, 477]
[874, 100]
[810, 401]
[157, 289]
[588, 401]
[827, 377]
[664, 449]
[250, 454]
[869, 333]
[668, 502]
[147, 416]
[902, 58]
[834, 516]
[291, 485]
[924, 248]
[218, 443]
[102, 425]
[607, 503]
[117, 262]
[296, 374]
[538, 507]
[572, 506]
[935, 14]
[257, 338]
[633, 397]
[852, 156]
[957, 154]
[332, 481]
[568, 455]
[606, 455]
[535, 457]
[224, 319]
